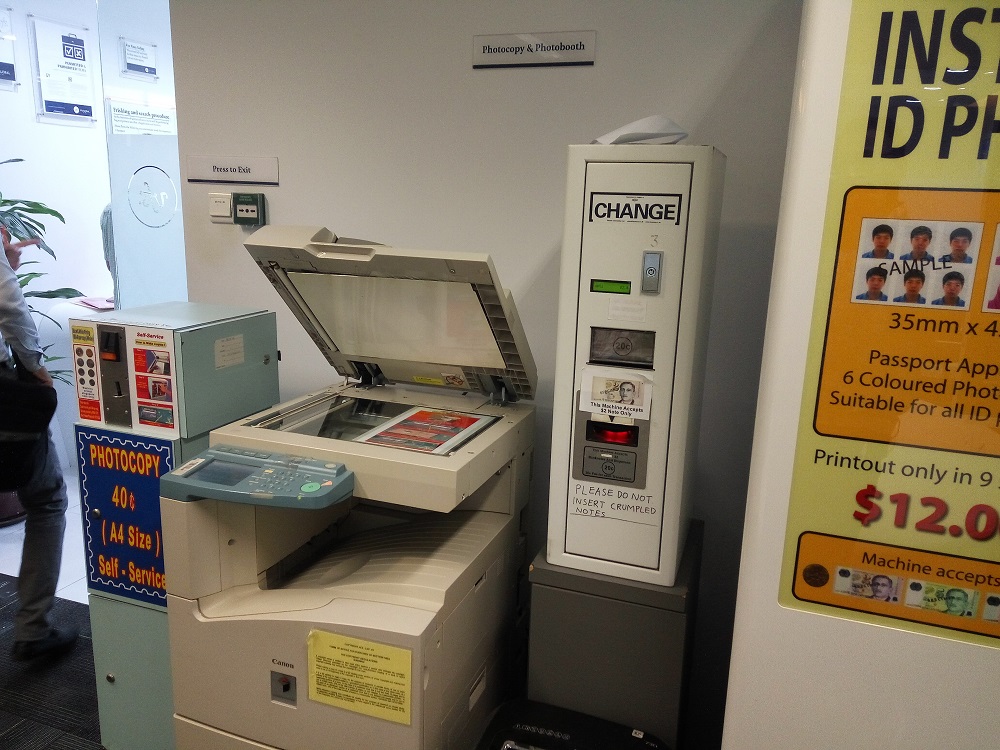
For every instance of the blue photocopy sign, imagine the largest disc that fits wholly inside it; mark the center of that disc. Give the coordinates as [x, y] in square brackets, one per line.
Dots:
[120, 500]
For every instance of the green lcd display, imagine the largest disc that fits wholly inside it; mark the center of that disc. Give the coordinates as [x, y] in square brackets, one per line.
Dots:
[610, 287]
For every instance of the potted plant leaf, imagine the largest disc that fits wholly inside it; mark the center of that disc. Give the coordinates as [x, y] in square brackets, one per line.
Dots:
[22, 218]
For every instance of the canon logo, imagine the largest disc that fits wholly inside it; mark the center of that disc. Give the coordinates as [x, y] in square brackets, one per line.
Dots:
[279, 663]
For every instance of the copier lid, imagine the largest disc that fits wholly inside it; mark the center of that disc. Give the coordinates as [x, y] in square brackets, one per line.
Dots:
[387, 315]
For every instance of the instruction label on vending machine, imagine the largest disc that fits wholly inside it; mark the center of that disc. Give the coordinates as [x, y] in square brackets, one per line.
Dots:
[894, 515]
[113, 362]
[120, 500]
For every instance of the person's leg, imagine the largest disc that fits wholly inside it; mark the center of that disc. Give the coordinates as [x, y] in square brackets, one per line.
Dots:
[44, 499]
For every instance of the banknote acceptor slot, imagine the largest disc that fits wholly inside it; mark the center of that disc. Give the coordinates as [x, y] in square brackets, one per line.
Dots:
[114, 375]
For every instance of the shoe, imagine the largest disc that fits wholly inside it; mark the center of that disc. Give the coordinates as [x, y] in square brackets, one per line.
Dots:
[56, 643]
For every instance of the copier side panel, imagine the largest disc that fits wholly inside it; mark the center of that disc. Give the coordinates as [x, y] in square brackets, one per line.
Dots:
[225, 369]
[477, 634]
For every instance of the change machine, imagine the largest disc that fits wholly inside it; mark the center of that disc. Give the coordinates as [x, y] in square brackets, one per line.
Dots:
[151, 382]
[637, 268]
[343, 566]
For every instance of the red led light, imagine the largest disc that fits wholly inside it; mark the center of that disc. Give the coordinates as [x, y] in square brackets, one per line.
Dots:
[621, 437]
[612, 434]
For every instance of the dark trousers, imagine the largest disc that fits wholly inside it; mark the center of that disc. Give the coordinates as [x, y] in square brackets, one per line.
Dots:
[44, 500]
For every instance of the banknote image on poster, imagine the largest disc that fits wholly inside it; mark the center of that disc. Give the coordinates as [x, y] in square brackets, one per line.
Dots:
[939, 597]
[867, 584]
[615, 393]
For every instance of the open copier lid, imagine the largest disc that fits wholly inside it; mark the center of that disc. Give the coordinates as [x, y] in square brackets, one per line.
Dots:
[386, 315]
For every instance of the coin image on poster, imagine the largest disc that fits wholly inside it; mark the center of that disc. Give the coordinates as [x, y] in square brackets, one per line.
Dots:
[815, 575]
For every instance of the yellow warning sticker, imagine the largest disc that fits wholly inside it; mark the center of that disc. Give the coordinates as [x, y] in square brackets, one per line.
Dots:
[83, 335]
[362, 676]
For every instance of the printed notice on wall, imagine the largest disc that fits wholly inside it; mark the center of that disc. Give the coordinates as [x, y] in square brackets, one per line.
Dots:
[8, 71]
[64, 57]
[138, 59]
[894, 516]
[615, 393]
[129, 118]
[363, 676]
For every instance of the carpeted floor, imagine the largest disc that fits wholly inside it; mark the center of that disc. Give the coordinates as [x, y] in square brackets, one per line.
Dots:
[47, 705]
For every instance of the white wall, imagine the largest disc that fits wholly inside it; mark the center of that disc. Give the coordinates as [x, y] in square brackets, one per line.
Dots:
[65, 167]
[384, 131]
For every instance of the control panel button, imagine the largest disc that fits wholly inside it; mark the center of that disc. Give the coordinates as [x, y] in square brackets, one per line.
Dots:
[652, 261]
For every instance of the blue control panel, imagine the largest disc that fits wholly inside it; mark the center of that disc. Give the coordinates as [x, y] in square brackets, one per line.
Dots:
[239, 475]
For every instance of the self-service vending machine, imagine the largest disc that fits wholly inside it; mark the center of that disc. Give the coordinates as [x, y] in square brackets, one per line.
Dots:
[151, 382]
[634, 300]
[637, 270]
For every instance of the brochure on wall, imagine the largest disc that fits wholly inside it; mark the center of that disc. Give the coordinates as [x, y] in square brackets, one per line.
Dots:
[131, 118]
[894, 515]
[63, 62]
[8, 73]
[138, 59]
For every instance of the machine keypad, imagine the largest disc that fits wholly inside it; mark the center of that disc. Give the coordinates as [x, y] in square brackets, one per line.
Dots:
[261, 478]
